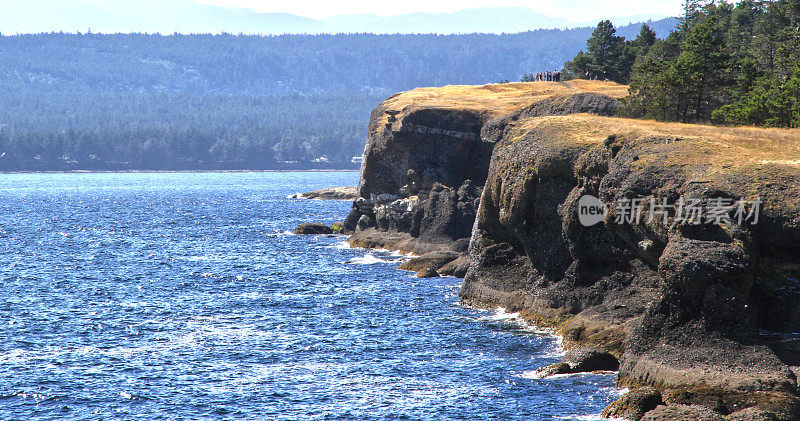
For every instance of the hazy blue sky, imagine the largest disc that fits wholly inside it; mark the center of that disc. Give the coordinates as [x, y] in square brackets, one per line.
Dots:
[315, 16]
[573, 10]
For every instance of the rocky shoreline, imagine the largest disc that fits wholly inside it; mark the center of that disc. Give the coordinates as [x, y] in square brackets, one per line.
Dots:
[699, 314]
[331, 193]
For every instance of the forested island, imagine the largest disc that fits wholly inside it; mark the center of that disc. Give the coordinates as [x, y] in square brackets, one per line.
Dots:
[180, 102]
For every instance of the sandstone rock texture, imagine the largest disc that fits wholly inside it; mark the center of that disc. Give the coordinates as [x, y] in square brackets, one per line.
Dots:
[698, 309]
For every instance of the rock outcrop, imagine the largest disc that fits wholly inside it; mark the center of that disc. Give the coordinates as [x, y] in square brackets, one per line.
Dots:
[427, 159]
[312, 228]
[331, 193]
[669, 250]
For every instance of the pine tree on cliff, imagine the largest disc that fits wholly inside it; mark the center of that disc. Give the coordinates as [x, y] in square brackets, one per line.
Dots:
[680, 80]
[607, 56]
[691, 11]
[641, 45]
[703, 63]
[728, 63]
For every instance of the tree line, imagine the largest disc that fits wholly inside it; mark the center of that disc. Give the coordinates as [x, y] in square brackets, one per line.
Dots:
[727, 63]
[150, 101]
[117, 131]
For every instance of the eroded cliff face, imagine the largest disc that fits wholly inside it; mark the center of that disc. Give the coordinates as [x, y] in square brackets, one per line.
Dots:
[428, 151]
[699, 313]
[704, 311]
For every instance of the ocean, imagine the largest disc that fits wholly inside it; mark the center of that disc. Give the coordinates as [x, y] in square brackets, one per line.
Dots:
[184, 296]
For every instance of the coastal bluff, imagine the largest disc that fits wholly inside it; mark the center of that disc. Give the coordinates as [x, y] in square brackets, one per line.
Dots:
[490, 183]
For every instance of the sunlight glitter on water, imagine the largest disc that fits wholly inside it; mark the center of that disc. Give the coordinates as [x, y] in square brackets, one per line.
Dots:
[201, 305]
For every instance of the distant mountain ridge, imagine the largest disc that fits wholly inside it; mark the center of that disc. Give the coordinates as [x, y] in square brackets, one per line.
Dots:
[151, 16]
[199, 64]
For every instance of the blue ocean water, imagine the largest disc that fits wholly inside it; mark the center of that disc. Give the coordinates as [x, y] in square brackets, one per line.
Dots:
[182, 296]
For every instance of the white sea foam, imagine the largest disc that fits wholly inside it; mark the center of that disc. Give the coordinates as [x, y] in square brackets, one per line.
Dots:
[556, 352]
[369, 259]
[533, 374]
[344, 245]
[501, 314]
[590, 417]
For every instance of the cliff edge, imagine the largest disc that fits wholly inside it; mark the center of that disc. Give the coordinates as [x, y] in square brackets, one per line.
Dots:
[427, 158]
[669, 250]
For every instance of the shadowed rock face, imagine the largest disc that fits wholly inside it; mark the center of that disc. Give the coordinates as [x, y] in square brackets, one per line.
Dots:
[440, 145]
[425, 162]
[701, 314]
[448, 145]
[683, 306]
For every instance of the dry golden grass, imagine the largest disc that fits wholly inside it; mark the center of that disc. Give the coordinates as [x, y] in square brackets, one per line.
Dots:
[688, 144]
[498, 99]
[723, 147]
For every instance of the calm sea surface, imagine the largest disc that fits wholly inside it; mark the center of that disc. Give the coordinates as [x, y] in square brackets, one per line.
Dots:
[182, 296]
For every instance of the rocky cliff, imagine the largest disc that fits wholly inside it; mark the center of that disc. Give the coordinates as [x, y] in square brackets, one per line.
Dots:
[669, 250]
[427, 158]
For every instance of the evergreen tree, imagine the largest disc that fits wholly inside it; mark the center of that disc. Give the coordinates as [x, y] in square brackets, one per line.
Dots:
[701, 69]
[641, 45]
[770, 103]
[691, 11]
[607, 56]
[578, 67]
[733, 64]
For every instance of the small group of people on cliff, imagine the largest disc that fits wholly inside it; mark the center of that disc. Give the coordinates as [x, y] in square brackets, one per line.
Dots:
[548, 76]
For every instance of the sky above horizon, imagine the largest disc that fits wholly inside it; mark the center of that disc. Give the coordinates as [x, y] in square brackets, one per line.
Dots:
[572, 10]
[318, 16]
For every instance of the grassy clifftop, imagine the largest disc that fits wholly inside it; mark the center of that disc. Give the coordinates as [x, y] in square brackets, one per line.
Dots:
[497, 99]
[691, 143]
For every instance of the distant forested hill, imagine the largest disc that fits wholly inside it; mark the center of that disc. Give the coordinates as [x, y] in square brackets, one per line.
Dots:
[139, 101]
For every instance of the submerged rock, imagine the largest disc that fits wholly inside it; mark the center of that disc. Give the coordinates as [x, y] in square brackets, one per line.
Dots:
[311, 228]
[427, 272]
[580, 360]
[434, 260]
